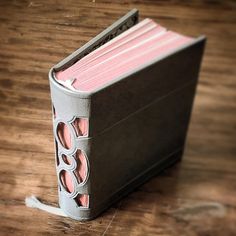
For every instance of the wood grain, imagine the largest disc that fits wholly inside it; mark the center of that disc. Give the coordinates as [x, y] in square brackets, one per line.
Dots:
[195, 197]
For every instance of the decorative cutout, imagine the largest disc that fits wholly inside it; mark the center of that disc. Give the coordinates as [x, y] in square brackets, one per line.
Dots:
[66, 159]
[82, 200]
[82, 168]
[68, 176]
[64, 135]
[66, 181]
[81, 126]
[72, 168]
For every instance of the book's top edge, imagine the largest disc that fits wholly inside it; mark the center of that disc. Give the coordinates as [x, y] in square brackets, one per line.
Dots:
[131, 18]
[200, 39]
[87, 95]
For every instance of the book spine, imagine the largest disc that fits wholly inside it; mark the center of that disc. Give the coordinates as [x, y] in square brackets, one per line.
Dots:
[71, 118]
[72, 146]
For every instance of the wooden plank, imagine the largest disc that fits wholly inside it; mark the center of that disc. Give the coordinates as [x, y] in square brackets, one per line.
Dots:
[195, 197]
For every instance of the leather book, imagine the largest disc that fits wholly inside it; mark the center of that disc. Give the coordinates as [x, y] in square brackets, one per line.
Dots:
[121, 110]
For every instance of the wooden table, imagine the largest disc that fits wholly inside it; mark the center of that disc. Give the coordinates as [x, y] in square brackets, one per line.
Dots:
[195, 197]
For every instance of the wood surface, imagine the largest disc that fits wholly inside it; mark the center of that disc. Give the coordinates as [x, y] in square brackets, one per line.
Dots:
[195, 197]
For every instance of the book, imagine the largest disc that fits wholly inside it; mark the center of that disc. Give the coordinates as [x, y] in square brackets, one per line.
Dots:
[121, 108]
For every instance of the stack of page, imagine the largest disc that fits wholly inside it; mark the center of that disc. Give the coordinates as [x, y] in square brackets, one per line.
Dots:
[129, 51]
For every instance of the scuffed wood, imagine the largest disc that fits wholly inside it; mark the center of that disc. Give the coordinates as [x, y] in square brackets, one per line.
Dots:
[195, 197]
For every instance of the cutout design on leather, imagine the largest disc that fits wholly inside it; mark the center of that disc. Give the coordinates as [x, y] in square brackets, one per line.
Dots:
[81, 126]
[72, 161]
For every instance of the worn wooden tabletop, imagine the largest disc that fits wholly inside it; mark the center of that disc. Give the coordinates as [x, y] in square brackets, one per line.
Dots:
[195, 197]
